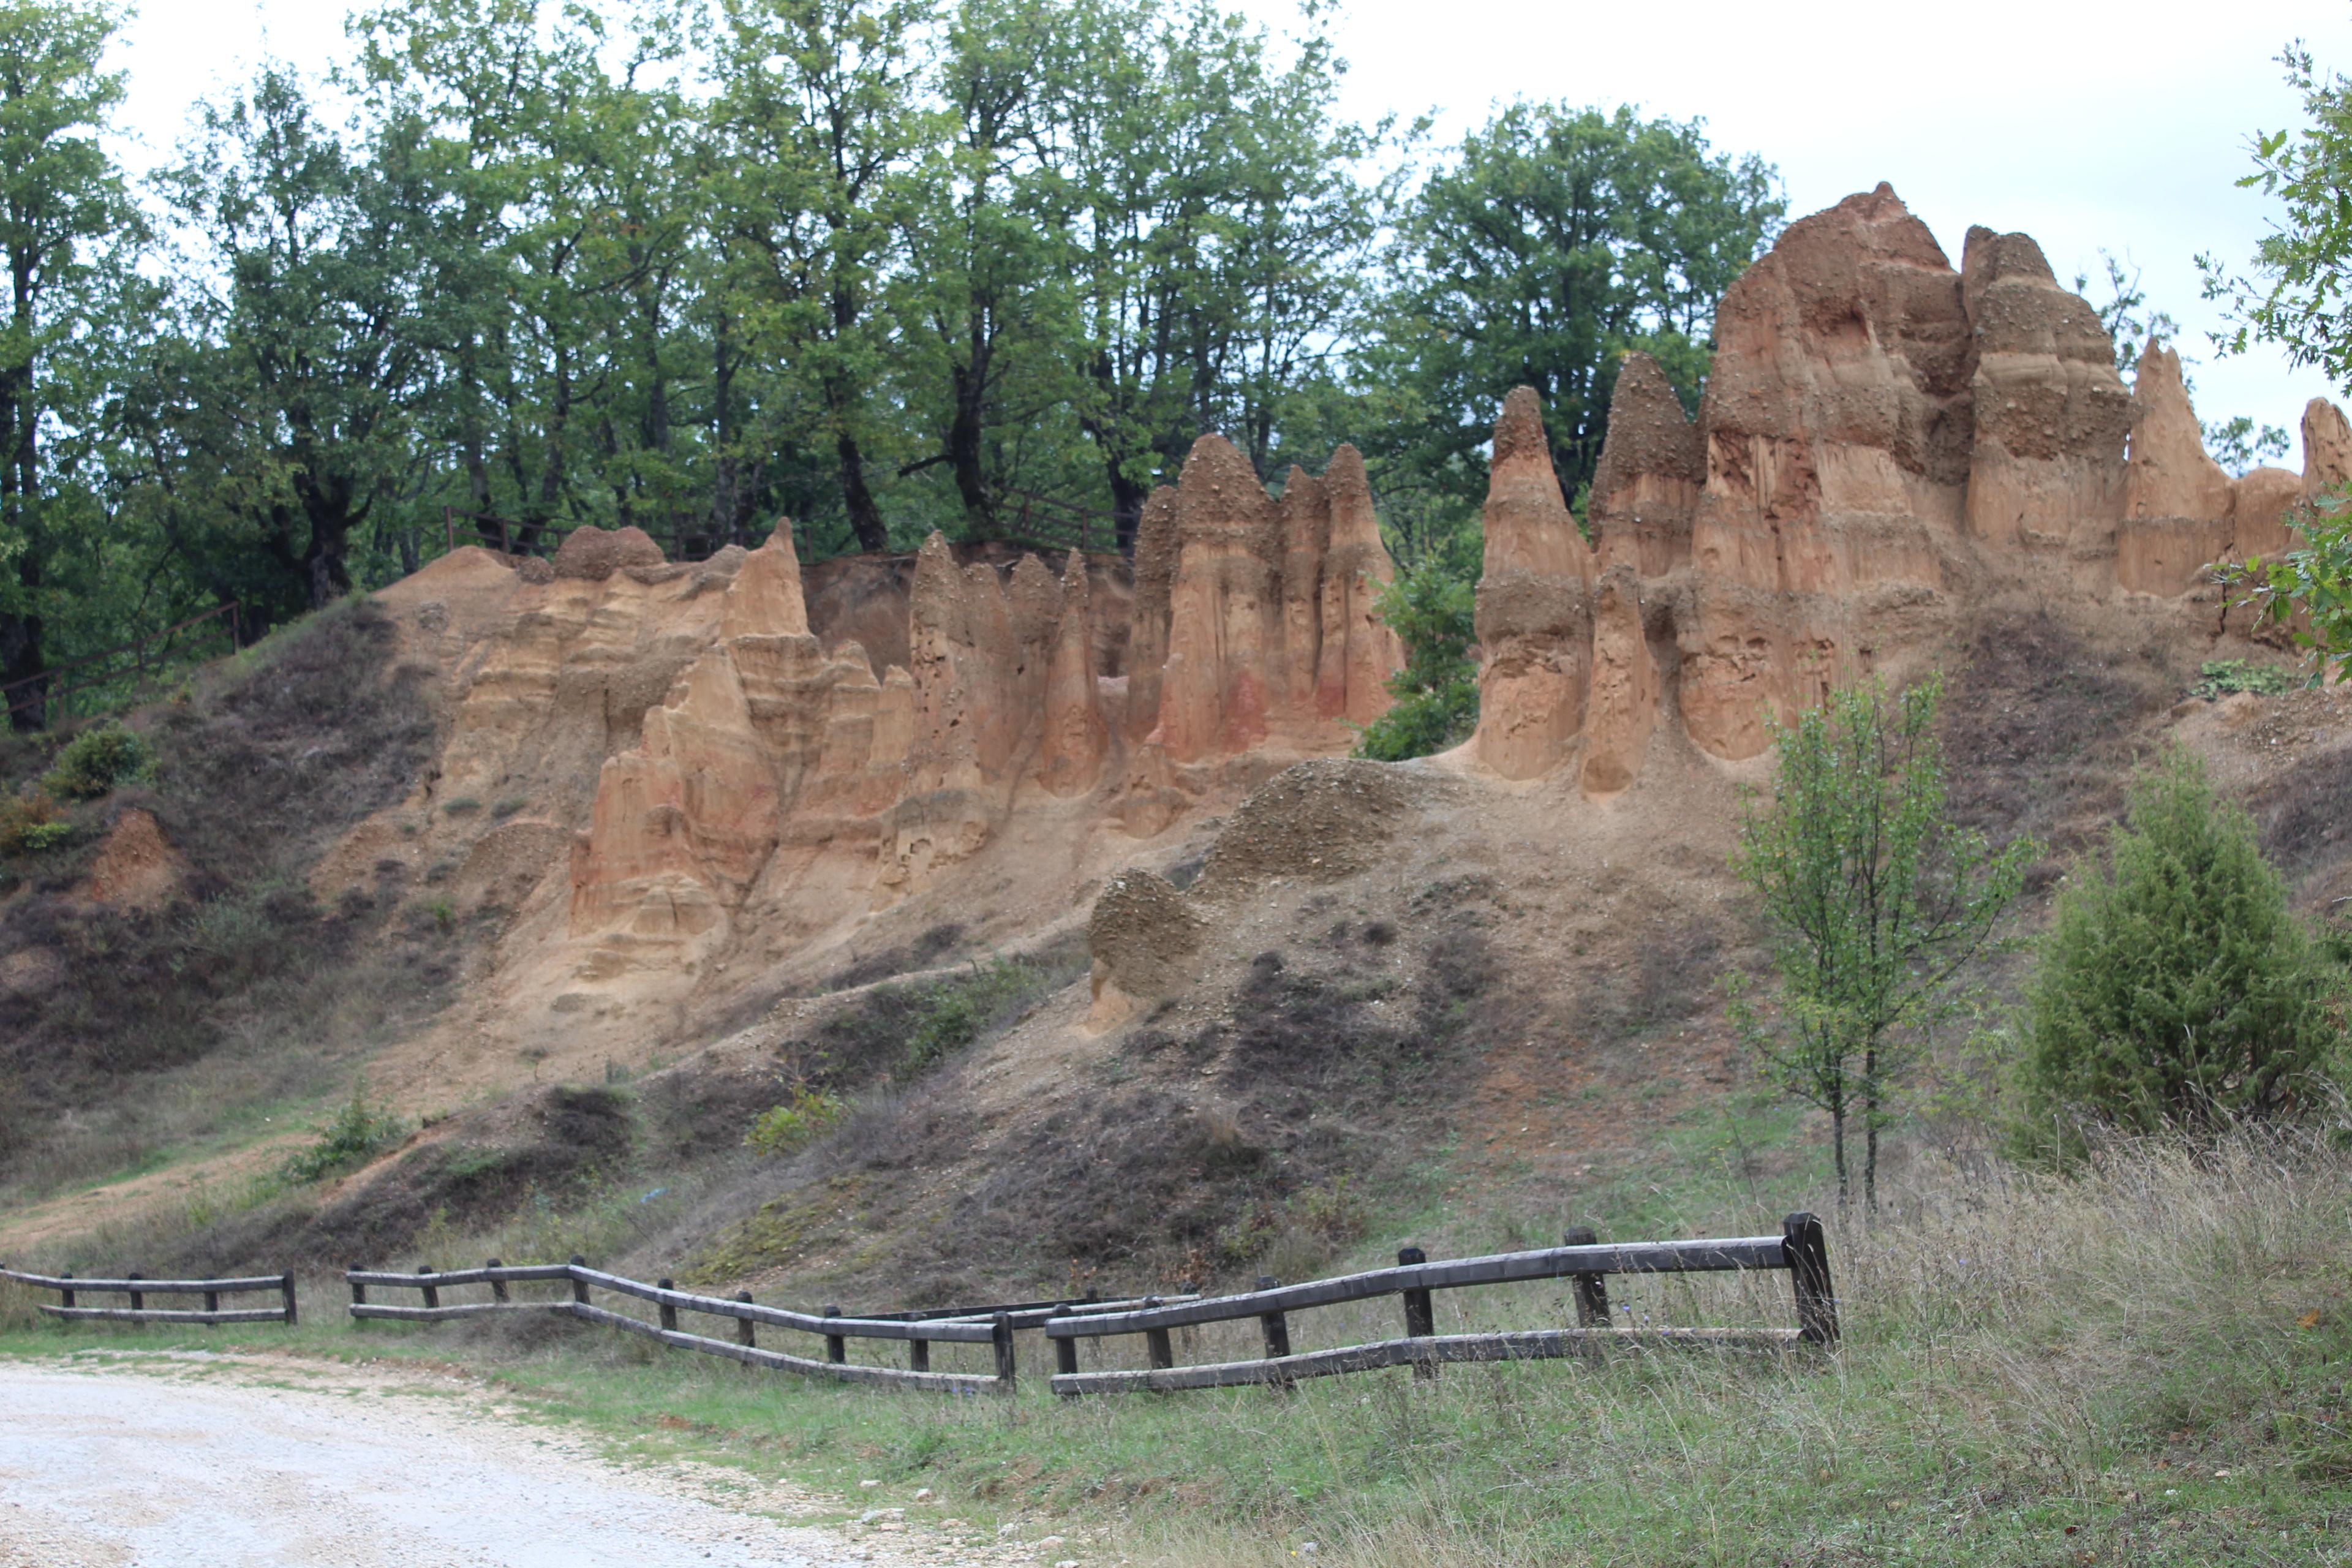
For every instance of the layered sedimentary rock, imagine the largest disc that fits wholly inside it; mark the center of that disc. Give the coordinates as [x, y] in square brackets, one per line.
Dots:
[1354, 650]
[1881, 436]
[1535, 605]
[2177, 499]
[2051, 414]
[1652, 468]
[1268, 626]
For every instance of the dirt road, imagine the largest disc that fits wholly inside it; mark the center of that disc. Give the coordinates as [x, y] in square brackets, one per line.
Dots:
[160, 1465]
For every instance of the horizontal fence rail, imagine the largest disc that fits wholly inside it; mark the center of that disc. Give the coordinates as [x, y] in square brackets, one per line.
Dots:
[990, 1326]
[1799, 1250]
[138, 1289]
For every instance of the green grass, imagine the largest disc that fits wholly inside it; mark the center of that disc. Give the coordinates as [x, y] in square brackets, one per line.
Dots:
[2034, 1371]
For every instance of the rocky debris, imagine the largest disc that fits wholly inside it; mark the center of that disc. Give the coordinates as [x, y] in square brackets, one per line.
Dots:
[136, 867]
[1142, 936]
[1318, 821]
[593, 554]
[1535, 605]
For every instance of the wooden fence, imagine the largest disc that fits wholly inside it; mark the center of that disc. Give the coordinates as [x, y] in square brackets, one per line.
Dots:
[990, 1326]
[139, 1290]
[48, 694]
[1799, 1250]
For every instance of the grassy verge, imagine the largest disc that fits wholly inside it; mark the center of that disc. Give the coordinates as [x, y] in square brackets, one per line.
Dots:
[2143, 1364]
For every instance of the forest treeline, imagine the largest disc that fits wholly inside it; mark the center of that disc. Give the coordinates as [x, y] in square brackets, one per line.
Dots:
[882, 266]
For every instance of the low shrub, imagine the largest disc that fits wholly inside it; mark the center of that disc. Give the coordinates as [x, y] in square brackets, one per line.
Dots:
[95, 760]
[2225, 676]
[797, 1122]
[358, 1132]
[30, 823]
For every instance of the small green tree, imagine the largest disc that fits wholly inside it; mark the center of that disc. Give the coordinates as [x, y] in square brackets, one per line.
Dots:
[2175, 987]
[1876, 898]
[1430, 607]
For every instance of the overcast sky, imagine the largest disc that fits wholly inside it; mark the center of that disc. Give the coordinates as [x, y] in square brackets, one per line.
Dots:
[2084, 124]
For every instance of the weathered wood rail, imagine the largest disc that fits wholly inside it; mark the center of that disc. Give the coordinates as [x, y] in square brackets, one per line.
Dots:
[138, 1289]
[990, 1326]
[1800, 1251]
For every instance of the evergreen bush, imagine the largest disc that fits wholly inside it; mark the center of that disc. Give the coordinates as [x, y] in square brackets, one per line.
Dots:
[2175, 987]
[94, 761]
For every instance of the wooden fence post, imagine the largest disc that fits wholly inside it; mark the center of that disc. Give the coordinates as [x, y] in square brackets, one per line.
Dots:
[918, 1355]
[1065, 1352]
[359, 1291]
[212, 1301]
[138, 1299]
[579, 1286]
[1276, 1328]
[425, 1283]
[68, 1291]
[668, 1311]
[1419, 1312]
[1592, 1289]
[1157, 1350]
[836, 1348]
[1808, 1252]
[286, 1288]
[1000, 1336]
[745, 1330]
[498, 1286]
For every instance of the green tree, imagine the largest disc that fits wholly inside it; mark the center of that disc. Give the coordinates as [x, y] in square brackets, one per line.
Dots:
[2294, 294]
[2175, 987]
[1557, 239]
[284, 404]
[1874, 898]
[814, 129]
[1431, 607]
[68, 232]
[1210, 226]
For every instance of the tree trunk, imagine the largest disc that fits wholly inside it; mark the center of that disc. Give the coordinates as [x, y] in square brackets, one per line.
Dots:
[1126, 499]
[1870, 1130]
[1837, 1142]
[864, 516]
[964, 445]
[20, 659]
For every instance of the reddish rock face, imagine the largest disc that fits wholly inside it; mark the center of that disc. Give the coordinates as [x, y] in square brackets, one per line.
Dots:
[1270, 631]
[778, 760]
[1652, 468]
[1881, 435]
[1535, 605]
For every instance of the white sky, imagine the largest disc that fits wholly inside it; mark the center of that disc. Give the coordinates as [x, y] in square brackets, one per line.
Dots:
[2084, 124]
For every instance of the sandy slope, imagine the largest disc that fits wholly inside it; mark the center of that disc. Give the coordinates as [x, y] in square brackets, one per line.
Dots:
[117, 1465]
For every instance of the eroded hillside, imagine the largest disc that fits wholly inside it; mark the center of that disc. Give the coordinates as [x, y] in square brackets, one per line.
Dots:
[1055, 877]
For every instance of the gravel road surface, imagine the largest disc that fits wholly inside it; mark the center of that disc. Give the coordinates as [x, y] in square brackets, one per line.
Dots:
[159, 1465]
